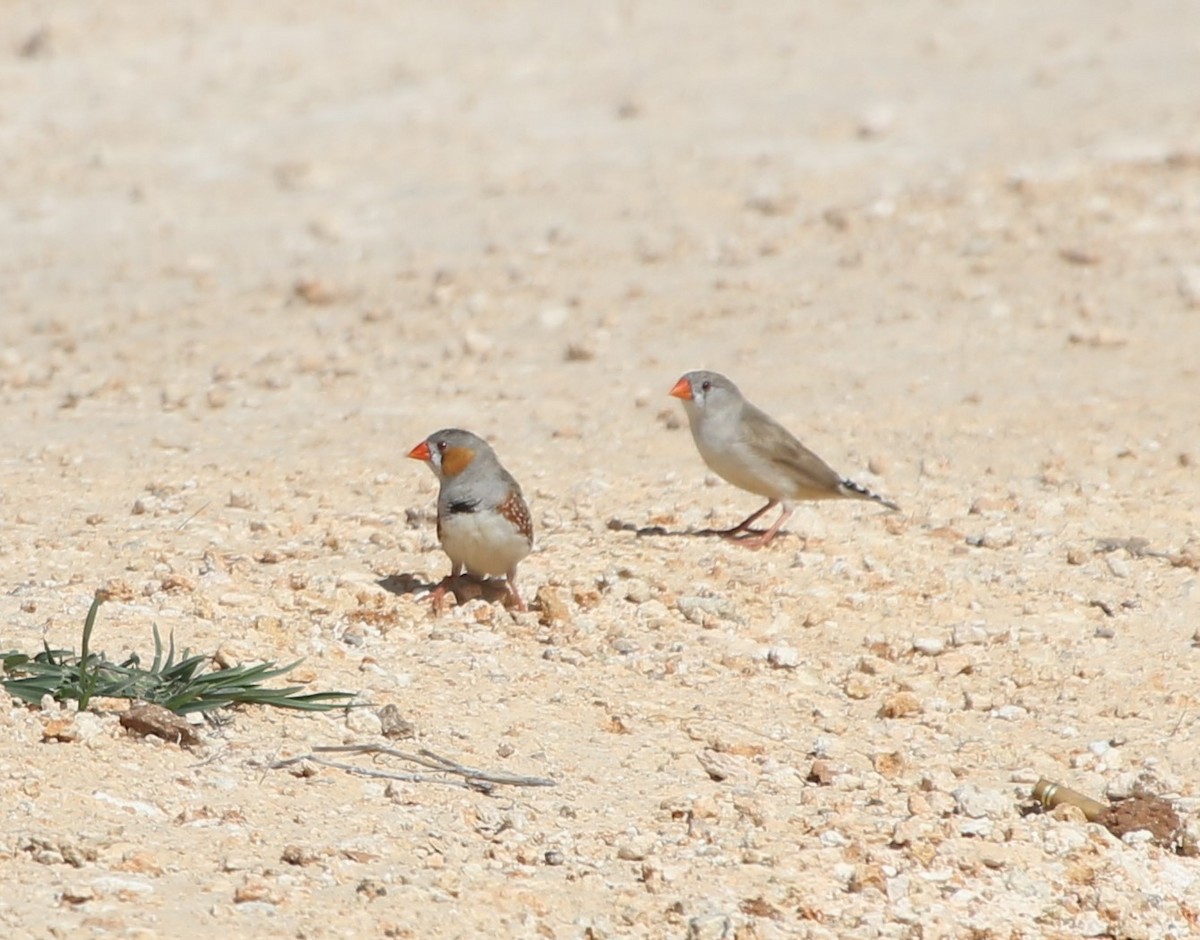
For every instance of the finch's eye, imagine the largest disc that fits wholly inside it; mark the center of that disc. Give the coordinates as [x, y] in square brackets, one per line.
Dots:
[441, 445]
[705, 385]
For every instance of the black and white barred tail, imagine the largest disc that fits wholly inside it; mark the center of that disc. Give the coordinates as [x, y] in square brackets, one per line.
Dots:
[858, 491]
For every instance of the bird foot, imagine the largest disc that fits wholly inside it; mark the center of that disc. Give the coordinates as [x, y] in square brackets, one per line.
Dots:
[755, 541]
[465, 587]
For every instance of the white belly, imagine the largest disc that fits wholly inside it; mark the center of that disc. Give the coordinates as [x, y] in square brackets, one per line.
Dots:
[482, 543]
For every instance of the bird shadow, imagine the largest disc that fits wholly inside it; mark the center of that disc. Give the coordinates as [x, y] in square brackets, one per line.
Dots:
[619, 525]
[406, 583]
[464, 587]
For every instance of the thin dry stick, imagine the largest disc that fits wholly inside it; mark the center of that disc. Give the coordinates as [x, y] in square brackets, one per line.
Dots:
[472, 778]
[193, 516]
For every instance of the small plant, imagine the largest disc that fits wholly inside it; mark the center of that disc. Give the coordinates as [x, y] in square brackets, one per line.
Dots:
[182, 686]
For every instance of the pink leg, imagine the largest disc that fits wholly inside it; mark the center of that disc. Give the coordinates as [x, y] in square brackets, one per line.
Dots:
[439, 593]
[730, 533]
[766, 538]
[510, 582]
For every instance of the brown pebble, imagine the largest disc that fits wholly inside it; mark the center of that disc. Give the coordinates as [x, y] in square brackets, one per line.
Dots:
[62, 730]
[1076, 556]
[1076, 254]
[550, 606]
[298, 855]
[254, 890]
[889, 765]
[821, 773]
[1151, 813]
[900, 705]
[371, 889]
[313, 291]
[147, 719]
[395, 725]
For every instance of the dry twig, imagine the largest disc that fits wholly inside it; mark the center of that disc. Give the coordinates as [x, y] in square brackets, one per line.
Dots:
[473, 779]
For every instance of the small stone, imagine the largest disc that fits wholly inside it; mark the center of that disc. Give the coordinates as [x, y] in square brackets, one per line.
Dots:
[712, 927]
[978, 803]
[89, 727]
[1079, 254]
[636, 849]
[371, 889]
[637, 591]
[299, 855]
[553, 317]
[1001, 536]
[876, 121]
[832, 839]
[314, 291]
[822, 773]
[908, 831]
[705, 611]
[783, 657]
[983, 505]
[889, 765]
[979, 828]
[1090, 924]
[977, 701]
[364, 722]
[254, 890]
[241, 499]
[62, 730]
[1117, 565]
[901, 705]
[720, 766]
[477, 344]
[1010, 712]
[929, 645]
[80, 894]
[550, 606]
[554, 857]
[1077, 556]
[968, 634]
[141, 862]
[145, 719]
[394, 725]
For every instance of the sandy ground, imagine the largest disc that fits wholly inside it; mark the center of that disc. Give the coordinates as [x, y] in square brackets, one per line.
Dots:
[252, 253]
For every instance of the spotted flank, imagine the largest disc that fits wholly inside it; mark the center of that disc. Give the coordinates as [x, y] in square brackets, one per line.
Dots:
[852, 489]
[515, 511]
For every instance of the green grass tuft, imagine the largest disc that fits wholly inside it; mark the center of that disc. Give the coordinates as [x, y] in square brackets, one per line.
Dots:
[183, 686]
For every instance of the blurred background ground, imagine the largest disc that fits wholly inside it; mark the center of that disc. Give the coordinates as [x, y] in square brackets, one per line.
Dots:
[251, 254]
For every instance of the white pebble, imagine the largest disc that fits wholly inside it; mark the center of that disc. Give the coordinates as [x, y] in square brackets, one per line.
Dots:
[929, 645]
[783, 657]
[967, 634]
[979, 803]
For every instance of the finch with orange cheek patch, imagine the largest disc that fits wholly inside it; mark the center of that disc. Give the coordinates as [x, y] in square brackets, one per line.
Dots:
[483, 522]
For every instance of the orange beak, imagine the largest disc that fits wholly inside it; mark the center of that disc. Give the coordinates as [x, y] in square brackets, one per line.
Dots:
[420, 452]
[682, 389]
